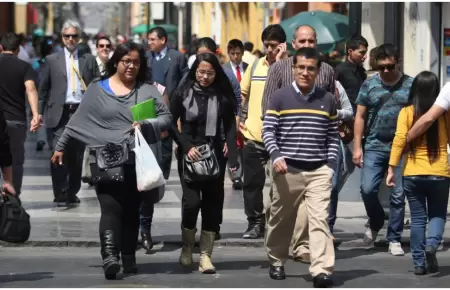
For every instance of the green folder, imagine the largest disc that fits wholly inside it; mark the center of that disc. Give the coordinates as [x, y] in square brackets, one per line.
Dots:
[144, 110]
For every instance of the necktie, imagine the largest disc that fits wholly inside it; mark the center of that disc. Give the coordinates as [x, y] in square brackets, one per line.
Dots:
[238, 74]
[72, 74]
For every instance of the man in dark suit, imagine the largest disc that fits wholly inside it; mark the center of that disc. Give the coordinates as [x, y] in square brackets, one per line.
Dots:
[235, 51]
[167, 67]
[63, 81]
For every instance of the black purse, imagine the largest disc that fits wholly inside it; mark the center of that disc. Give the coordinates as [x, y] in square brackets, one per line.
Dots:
[206, 168]
[107, 162]
[15, 226]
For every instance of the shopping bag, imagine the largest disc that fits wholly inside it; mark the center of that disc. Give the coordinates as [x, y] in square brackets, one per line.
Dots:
[148, 173]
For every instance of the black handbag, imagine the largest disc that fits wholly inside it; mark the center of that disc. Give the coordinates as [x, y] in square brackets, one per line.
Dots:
[107, 162]
[15, 226]
[206, 168]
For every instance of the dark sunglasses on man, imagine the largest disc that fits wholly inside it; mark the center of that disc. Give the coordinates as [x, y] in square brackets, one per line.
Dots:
[104, 45]
[389, 67]
[74, 36]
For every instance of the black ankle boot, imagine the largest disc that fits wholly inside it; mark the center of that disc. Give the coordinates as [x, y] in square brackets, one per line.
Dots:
[110, 255]
[129, 264]
[147, 242]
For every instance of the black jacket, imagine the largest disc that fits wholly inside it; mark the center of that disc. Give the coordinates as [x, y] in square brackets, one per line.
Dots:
[5, 152]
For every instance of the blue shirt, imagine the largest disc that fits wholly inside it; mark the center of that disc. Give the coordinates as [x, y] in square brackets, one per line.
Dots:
[384, 124]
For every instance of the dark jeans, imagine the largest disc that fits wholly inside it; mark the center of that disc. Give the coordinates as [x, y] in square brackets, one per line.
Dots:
[17, 131]
[205, 196]
[167, 148]
[119, 204]
[374, 169]
[67, 177]
[335, 192]
[423, 192]
[255, 160]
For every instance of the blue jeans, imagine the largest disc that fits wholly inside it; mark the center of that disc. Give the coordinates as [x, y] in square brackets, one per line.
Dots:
[335, 192]
[423, 192]
[374, 169]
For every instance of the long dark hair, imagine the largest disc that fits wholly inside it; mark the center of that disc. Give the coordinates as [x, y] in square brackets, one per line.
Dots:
[122, 50]
[422, 95]
[221, 83]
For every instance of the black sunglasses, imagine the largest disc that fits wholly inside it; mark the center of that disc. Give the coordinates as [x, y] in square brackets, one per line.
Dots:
[104, 45]
[389, 67]
[70, 35]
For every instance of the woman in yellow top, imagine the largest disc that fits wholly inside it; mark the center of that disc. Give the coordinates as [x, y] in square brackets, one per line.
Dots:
[426, 172]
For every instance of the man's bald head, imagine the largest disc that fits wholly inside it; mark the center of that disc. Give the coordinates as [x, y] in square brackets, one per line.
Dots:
[304, 36]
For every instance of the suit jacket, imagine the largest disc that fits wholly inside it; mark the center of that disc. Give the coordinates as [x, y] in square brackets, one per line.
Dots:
[53, 83]
[174, 70]
[228, 65]
[280, 75]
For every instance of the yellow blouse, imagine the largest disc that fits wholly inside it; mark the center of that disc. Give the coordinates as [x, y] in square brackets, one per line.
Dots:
[419, 164]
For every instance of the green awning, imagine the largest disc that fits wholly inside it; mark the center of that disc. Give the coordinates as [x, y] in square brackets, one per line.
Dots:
[143, 28]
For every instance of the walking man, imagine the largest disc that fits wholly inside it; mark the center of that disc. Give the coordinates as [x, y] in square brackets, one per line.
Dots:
[255, 156]
[103, 50]
[300, 133]
[63, 82]
[379, 102]
[280, 75]
[167, 68]
[17, 81]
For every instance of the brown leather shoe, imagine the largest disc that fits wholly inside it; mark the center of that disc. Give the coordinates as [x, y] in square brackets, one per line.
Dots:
[147, 242]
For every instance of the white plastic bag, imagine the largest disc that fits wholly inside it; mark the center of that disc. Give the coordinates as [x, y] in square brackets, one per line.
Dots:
[148, 173]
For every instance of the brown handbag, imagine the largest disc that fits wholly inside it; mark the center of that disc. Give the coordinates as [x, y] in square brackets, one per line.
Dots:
[345, 127]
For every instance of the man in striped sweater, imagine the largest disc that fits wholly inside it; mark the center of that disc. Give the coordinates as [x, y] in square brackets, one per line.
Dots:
[301, 135]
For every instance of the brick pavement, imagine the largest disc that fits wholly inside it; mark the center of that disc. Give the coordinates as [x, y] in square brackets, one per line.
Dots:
[60, 226]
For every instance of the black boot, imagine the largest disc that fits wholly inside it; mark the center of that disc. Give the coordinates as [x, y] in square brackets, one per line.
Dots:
[110, 255]
[147, 241]
[129, 264]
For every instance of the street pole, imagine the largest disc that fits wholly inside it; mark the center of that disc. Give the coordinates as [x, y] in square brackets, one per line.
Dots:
[188, 20]
[50, 17]
[354, 18]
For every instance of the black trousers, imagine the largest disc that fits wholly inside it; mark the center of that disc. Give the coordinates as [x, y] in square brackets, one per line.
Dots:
[67, 177]
[204, 196]
[255, 161]
[167, 148]
[119, 204]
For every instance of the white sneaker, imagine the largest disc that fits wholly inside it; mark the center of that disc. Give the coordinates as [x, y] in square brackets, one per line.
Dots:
[370, 236]
[395, 249]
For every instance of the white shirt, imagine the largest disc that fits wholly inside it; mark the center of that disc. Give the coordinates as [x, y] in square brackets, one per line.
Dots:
[72, 98]
[241, 69]
[101, 65]
[191, 60]
[23, 55]
[443, 100]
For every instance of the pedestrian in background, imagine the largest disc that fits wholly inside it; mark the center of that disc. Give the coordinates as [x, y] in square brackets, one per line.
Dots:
[203, 102]
[426, 167]
[104, 117]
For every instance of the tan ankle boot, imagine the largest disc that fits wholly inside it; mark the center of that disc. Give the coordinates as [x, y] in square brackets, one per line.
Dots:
[206, 248]
[188, 246]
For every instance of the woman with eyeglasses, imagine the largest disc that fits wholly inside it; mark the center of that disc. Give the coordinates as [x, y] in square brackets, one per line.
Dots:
[104, 123]
[425, 173]
[203, 102]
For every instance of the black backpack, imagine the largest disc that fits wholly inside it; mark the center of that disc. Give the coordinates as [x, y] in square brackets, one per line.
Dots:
[15, 226]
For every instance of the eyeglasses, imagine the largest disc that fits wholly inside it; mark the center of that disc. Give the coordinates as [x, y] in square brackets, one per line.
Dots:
[104, 45]
[128, 62]
[208, 74]
[74, 36]
[301, 68]
[388, 67]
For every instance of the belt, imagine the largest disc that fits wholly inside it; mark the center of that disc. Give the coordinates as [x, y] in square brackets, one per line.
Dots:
[71, 106]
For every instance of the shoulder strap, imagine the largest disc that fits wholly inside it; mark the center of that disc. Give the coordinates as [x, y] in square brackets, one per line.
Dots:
[254, 65]
[383, 101]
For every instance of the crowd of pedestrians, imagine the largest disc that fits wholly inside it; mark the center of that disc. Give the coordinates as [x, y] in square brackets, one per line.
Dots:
[288, 117]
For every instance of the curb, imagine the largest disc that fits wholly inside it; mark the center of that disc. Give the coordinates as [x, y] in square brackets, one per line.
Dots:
[339, 243]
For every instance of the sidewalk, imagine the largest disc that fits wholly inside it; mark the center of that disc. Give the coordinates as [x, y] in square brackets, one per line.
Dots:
[78, 226]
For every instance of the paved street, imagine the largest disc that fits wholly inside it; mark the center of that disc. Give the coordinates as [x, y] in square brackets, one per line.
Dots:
[78, 226]
[236, 267]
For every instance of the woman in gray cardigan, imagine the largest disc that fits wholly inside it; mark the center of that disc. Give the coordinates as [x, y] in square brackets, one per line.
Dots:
[104, 117]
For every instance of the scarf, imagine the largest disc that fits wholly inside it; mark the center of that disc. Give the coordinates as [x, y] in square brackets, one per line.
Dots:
[191, 107]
